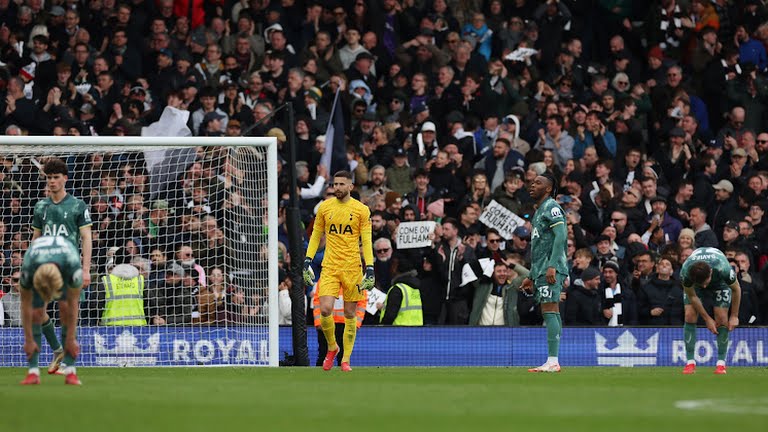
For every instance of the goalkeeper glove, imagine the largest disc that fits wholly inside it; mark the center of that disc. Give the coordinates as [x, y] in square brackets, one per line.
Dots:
[308, 274]
[368, 279]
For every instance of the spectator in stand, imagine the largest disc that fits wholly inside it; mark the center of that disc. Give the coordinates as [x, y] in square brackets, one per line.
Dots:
[686, 240]
[643, 269]
[750, 50]
[721, 209]
[468, 220]
[603, 251]
[757, 218]
[500, 161]
[377, 183]
[752, 289]
[659, 217]
[479, 193]
[582, 258]
[160, 295]
[495, 300]
[619, 302]
[218, 289]
[399, 174]
[11, 301]
[557, 139]
[583, 306]
[403, 294]
[704, 236]
[379, 226]
[521, 243]
[732, 239]
[660, 300]
[393, 203]
[595, 135]
[283, 298]
[383, 265]
[449, 255]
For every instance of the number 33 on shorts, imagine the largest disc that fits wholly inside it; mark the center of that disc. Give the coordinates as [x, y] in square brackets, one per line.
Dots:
[546, 293]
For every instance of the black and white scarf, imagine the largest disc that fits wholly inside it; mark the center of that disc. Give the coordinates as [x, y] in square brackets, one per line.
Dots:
[728, 69]
[668, 25]
[613, 301]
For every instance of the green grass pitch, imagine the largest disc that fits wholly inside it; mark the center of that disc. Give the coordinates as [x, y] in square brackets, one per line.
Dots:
[387, 399]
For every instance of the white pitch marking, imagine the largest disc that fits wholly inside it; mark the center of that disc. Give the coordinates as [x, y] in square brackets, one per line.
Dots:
[729, 406]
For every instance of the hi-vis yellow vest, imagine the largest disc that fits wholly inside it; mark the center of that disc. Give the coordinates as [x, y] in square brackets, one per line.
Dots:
[410, 313]
[125, 301]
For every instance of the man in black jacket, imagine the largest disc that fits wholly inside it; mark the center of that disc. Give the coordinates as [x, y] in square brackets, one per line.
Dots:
[753, 289]
[703, 191]
[661, 299]
[705, 237]
[583, 305]
[449, 256]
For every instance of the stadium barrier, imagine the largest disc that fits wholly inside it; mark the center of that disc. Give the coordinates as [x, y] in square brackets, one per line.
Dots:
[401, 346]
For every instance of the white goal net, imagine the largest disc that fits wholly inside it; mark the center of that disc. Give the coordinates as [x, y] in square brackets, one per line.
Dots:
[184, 240]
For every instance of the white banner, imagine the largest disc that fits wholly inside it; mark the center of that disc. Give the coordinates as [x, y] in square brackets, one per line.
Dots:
[374, 296]
[497, 216]
[468, 275]
[411, 235]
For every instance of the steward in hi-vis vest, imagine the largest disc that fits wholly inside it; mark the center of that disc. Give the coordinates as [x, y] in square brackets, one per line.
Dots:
[403, 303]
[123, 295]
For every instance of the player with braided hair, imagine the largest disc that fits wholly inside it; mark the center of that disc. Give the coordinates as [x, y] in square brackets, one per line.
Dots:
[549, 266]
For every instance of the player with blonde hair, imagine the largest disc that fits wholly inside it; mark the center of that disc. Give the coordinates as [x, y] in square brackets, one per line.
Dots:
[345, 222]
[51, 271]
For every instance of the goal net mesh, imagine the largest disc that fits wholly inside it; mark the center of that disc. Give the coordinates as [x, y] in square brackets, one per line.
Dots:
[188, 224]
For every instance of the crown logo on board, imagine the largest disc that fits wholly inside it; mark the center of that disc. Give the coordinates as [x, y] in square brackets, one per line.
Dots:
[126, 343]
[627, 351]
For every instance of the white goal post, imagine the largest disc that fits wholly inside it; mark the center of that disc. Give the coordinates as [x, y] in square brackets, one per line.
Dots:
[189, 223]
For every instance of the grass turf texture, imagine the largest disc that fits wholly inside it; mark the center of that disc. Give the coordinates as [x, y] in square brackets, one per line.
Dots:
[383, 399]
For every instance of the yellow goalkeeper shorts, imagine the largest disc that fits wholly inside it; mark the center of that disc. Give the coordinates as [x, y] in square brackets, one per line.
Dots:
[347, 282]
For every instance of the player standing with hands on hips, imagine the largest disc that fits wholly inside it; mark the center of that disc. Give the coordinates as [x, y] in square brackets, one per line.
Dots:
[61, 214]
[707, 273]
[549, 266]
[51, 270]
[345, 222]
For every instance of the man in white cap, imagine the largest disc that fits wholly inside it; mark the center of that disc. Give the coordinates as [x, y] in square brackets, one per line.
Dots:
[425, 147]
[722, 207]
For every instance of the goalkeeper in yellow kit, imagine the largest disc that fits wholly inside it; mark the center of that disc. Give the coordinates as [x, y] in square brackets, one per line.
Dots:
[345, 221]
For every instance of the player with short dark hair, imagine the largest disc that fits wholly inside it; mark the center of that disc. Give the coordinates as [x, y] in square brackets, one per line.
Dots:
[549, 266]
[51, 271]
[345, 221]
[61, 214]
[707, 273]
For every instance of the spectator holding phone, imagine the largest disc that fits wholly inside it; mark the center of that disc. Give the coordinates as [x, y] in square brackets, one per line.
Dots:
[595, 135]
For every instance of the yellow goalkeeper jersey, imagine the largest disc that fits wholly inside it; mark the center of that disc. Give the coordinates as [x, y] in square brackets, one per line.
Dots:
[345, 225]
